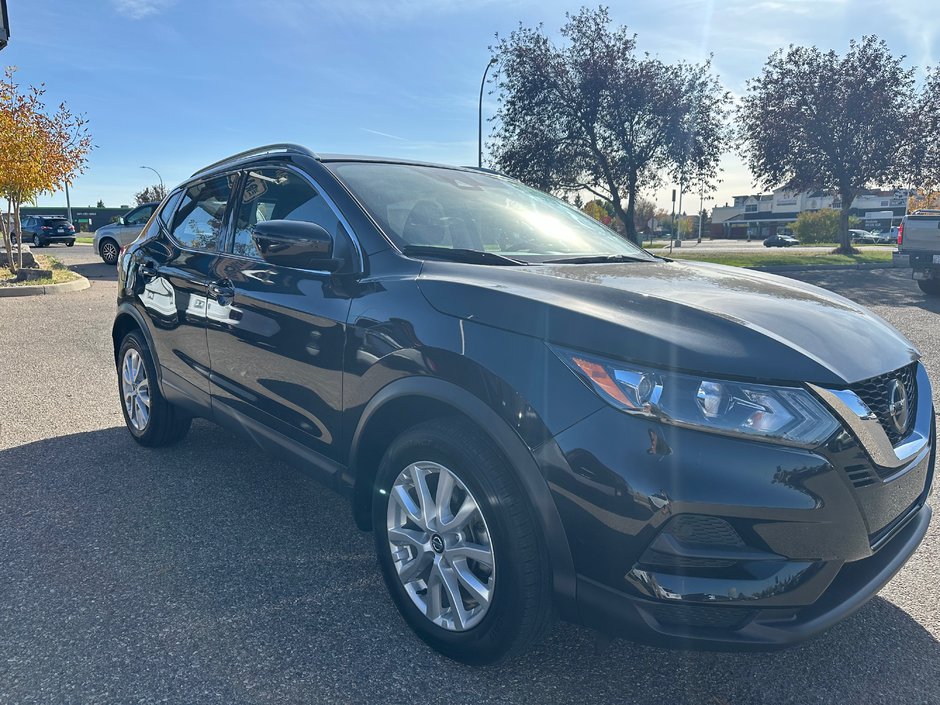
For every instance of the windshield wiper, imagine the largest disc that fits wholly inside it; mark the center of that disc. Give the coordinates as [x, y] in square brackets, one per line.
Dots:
[460, 255]
[598, 259]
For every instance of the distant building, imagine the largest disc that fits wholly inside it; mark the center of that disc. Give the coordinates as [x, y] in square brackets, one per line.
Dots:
[84, 219]
[762, 215]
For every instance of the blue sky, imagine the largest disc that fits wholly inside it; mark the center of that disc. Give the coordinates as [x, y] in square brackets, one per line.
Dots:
[175, 84]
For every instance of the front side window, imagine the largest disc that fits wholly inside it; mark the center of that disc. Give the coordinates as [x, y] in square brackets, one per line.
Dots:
[198, 220]
[139, 216]
[279, 194]
[450, 208]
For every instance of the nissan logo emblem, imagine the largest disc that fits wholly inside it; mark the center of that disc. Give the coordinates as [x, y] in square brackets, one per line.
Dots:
[897, 405]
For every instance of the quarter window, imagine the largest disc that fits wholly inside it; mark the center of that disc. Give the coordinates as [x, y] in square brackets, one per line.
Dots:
[198, 220]
[279, 194]
[166, 213]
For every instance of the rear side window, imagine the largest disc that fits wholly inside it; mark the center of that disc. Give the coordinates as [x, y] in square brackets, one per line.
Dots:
[197, 223]
[279, 194]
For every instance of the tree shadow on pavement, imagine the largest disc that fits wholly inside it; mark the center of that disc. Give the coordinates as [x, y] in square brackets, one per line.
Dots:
[96, 271]
[208, 572]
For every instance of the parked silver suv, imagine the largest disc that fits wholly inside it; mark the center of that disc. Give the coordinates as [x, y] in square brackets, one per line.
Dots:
[109, 239]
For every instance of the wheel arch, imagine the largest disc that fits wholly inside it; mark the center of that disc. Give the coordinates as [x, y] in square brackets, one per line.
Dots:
[130, 319]
[412, 400]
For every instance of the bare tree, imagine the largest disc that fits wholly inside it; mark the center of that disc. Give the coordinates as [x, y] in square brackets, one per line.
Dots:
[152, 193]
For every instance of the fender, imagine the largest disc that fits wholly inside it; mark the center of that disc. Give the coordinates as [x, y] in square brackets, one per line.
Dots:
[513, 448]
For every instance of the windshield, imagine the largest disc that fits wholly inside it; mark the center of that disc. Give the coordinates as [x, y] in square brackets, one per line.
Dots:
[449, 208]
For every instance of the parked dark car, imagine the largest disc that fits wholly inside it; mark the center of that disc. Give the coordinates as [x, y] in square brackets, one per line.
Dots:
[532, 415]
[44, 230]
[780, 240]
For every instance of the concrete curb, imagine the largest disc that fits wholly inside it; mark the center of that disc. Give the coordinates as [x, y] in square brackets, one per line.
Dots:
[823, 267]
[63, 288]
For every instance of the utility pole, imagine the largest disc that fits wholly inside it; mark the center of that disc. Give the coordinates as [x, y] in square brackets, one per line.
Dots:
[68, 203]
[672, 235]
[701, 211]
[678, 230]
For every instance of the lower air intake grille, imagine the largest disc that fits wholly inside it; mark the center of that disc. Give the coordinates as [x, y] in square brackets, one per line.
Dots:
[701, 530]
[701, 616]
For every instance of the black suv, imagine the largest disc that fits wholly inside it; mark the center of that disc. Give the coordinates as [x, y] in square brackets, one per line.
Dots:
[533, 415]
[43, 230]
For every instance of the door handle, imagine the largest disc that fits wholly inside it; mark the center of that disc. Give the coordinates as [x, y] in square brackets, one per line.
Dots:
[221, 291]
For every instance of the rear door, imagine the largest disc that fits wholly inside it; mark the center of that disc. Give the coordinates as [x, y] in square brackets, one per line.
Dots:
[176, 271]
[276, 334]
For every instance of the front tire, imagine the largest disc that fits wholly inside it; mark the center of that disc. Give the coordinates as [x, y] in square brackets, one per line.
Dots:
[931, 287]
[109, 251]
[150, 418]
[459, 545]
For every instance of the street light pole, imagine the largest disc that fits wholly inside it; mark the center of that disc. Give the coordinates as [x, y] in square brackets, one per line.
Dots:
[162, 187]
[480, 115]
[68, 203]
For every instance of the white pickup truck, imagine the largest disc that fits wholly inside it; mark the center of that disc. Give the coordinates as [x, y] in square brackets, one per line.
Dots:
[919, 239]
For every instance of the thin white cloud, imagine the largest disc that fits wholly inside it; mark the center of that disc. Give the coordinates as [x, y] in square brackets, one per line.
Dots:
[139, 9]
[383, 134]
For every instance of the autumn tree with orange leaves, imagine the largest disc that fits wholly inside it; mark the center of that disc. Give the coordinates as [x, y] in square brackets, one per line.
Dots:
[40, 152]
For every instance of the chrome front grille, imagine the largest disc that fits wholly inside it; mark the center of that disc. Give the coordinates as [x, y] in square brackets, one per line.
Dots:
[875, 393]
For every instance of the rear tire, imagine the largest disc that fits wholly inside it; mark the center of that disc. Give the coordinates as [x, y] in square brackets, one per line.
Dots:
[513, 565]
[150, 418]
[37, 242]
[931, 287]
[70, 243]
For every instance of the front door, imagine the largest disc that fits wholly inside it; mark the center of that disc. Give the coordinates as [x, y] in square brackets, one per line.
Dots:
[175, 273]
[276, 334]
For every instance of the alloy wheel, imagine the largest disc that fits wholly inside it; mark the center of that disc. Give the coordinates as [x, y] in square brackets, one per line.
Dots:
[36, 241]
[109, 252]
[135, 388]
[441, 546]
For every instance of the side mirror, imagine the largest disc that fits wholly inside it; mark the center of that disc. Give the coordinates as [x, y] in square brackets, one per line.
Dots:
[120, 221]
[295, 243]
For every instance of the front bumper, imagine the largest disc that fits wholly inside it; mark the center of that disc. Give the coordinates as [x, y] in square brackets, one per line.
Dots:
[794, 540]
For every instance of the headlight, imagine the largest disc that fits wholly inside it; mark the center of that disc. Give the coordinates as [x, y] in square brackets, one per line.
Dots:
[786, 414]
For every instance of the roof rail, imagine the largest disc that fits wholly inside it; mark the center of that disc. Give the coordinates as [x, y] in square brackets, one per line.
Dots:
[266, 149]
[926, 211]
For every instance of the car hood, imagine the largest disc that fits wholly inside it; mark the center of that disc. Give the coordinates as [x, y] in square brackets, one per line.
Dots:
[683, 316]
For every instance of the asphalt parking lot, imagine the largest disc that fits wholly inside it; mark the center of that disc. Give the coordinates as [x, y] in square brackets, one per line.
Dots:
[208, 573]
